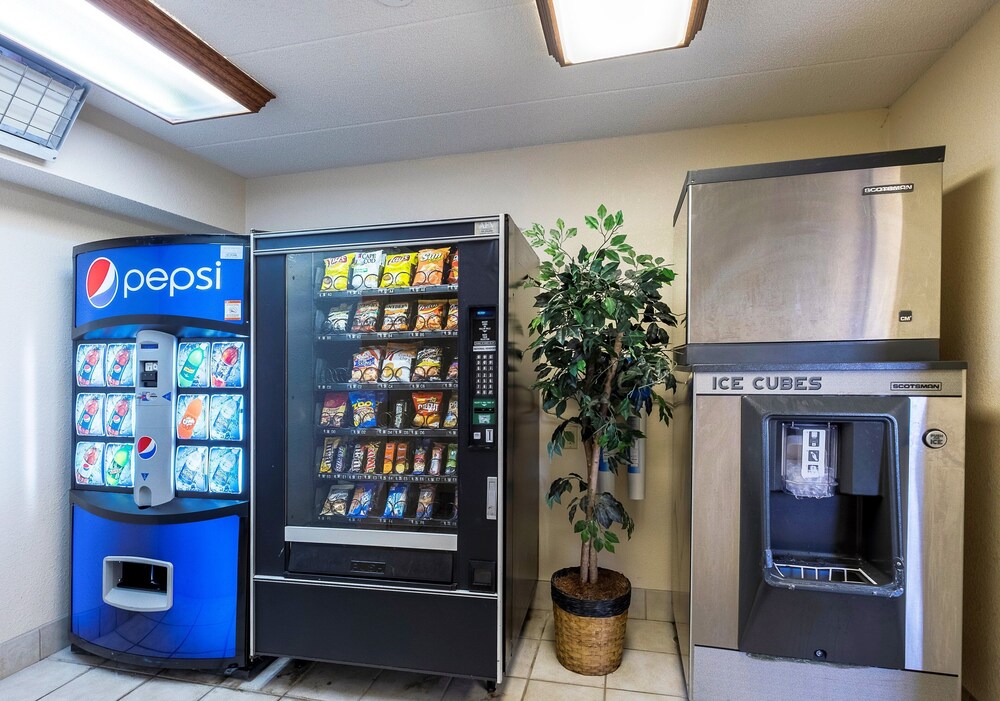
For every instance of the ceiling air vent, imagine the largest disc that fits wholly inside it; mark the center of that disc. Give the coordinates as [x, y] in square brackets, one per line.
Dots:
[38, 103]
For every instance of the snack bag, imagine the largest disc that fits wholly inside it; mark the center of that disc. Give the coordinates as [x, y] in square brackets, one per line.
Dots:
[396, 316]
[402, 463]
[427, 406]
[390, 454]
[453, 371]
[371, 455]
[334, 410]
[337, 500]
[425, 502]
[453, 273]
[335, 275]
[340, 457]
[367, 270]
[400, 413]
[336, 318]
[395, 503]
[367, 362]
[366, 317]
[366, 407]
[398, 270]
[430, 315]
[430, 266]
[330, 446]
[419, 459]
[451, 323]
[451, 418]
[361, 502]
[437, 458]
[451, 462]
[357, 458]
[398, 362]
[428, 364]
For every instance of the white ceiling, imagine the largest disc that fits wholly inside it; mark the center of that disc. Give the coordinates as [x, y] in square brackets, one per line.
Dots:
[361, 82]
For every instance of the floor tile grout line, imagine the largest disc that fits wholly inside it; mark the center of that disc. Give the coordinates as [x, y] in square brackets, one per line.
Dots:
[58, 687]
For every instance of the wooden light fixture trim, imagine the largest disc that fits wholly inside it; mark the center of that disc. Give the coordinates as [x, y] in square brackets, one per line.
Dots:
[550, 28]
[160, 29]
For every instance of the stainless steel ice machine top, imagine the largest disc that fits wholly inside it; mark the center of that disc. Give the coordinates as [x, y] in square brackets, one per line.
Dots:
[842, 251]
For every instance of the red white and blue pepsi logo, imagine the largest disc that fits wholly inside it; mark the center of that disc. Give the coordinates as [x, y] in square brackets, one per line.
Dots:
[102, 283]
[146, 447]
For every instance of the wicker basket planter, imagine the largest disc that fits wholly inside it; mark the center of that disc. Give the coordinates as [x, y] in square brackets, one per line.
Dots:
[590, 635]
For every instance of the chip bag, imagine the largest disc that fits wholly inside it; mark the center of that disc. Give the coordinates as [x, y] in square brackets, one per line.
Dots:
[430, 266]
[336, 318]
[396, 316]
[451, 323]
[334, 410]
[366, 407]
[367, 270]
[367, 363]
[430, 315]
[398, 270]
[336, 272]
[427, 406]
[453, 273]
[366, 317]
[428, 364]
[398, 362]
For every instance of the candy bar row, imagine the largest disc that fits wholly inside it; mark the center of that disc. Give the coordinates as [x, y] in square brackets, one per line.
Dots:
[388, 457]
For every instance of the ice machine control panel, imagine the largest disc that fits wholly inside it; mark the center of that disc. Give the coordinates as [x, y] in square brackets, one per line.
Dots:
[156, 354]
[483, 376]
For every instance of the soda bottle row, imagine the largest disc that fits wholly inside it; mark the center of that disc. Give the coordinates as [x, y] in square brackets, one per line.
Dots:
[105, 365]
[199, 364]
[218, 417]
[218, 470]
[108, 464]
[105, 415]
[224, 366]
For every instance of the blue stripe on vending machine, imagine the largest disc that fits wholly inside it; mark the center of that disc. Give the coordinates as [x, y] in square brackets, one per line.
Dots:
[160, 441]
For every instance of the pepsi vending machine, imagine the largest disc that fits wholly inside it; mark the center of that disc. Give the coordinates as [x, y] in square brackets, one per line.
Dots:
[160, 502]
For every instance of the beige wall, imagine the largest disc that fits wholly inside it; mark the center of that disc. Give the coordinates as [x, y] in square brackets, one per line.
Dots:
[37, 235]
[957, 103]
[642, 175]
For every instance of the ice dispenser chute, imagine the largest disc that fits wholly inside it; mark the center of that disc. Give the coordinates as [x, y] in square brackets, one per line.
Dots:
[821, 517]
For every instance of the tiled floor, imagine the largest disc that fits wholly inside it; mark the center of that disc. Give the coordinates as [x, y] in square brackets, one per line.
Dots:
[650, 671]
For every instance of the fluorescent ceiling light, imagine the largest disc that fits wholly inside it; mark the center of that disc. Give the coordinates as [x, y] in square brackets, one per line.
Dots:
[137, 51]
[578, 31]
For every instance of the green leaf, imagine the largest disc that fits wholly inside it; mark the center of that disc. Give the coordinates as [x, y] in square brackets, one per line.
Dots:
[610, 306]
[602, 211]
[619, 218]
[579, 526]
[618, 239]
[608, 546]
[591, 222]
[609, 222]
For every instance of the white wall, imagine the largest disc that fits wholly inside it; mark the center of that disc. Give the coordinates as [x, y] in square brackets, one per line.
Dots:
[108, 164]
[956, 103]
[642, 175]
[37, 235]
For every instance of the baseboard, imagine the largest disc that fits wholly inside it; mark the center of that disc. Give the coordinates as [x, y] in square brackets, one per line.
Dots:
[27, 649]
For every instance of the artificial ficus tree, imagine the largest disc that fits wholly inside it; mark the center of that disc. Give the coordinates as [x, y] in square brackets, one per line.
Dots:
[600, 345]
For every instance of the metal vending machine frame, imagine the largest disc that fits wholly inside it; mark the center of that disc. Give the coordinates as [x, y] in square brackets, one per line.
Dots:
[442, 594]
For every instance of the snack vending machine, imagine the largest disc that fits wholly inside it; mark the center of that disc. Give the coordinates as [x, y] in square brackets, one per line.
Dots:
[396, 446]
[160, 499]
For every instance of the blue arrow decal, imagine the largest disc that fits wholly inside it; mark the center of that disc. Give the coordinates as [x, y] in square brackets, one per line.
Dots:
[167, 396]
[144, 475]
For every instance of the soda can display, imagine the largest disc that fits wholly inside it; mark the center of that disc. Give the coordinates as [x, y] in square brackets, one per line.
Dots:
[192, 368]
[119, 364]
[90, 365]
[192, 416]
[118, 415]
[89, 464]
[118, 464]
[227, 364]
[226, 417]
[192, 468]
[90, 414]
[226, 468]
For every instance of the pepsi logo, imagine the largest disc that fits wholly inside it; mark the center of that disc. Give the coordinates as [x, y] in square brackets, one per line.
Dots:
[102, 283]
[146, 447]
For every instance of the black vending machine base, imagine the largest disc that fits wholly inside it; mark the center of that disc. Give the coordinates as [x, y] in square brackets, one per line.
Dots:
[440, 633]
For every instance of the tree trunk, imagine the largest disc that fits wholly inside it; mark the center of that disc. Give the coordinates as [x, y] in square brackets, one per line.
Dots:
[587, 554]
[595, 459]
